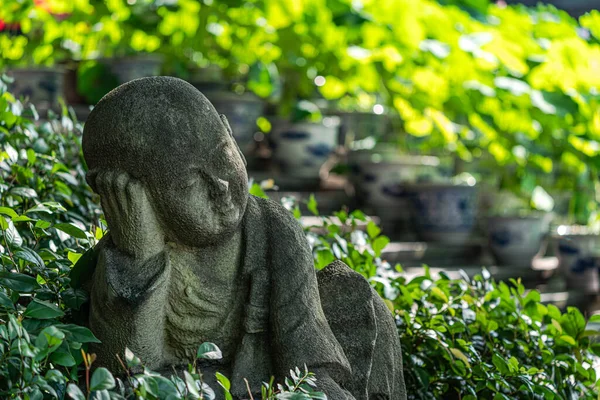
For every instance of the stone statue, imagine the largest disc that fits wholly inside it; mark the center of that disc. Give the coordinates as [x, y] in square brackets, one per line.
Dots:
[191, 257]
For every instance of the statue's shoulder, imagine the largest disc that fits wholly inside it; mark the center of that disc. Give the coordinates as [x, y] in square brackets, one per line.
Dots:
[276, 216]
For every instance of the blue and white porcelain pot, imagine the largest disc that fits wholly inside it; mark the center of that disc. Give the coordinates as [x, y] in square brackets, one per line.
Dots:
[242, 111]
[301, 149]
[516, 241]
[42, 86]
[361, 125]
[578, 252]
[444, 212]
[378, 177]
[134, 67]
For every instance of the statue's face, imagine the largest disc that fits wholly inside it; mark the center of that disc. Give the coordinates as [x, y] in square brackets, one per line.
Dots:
[201, 189]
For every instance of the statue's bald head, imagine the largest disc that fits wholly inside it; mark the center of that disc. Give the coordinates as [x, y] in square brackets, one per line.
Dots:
[164, 133]
[149, 124]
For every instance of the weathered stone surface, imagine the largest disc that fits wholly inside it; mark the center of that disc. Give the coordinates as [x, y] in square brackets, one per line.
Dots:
[192, 257]
[366, 330]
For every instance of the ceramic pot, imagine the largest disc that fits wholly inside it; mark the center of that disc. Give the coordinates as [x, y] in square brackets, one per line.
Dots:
[443, 212]
[578, 254]
[241, 111]
[41, 86]
[360, 125]
[139, 66]
[378, 177]
[208, 79]
[301, 149]
[515, 241]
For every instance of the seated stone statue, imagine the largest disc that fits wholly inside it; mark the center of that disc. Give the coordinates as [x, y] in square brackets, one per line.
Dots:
[191, 257]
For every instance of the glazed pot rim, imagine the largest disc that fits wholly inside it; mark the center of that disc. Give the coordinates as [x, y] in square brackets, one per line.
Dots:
[570, 231]
[55, 68]
[286, 124]
[220, 94]
[365, 156]
[438, 185]
[532, 217]
[369, 113]
[132, 57]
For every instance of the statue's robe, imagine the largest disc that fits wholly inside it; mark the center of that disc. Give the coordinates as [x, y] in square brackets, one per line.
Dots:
[274, 323]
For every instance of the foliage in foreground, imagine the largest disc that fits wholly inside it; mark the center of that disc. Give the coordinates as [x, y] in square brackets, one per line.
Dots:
[466, 338]
[469, 338]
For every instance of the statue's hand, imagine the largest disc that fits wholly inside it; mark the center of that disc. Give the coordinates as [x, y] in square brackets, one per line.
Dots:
[134, 227]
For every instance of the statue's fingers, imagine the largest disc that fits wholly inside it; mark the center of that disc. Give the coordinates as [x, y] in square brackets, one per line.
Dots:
[120, 188]
[134, 193]
[101, 187]
[112, 194]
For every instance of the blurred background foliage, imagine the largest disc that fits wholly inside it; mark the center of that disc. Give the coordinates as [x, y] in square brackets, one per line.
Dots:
[513, 86]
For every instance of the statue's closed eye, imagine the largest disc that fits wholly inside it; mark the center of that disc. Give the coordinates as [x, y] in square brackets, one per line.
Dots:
[222, 186]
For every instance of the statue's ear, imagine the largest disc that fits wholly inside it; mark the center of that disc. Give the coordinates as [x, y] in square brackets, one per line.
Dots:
[226, 123]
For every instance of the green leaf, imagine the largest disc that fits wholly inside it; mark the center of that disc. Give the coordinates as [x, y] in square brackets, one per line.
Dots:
[74, 298]
[73, 257]
[30, 256]
[71, 230]
[48, 207]
[257, 191]
[49, 340]
[373, 230]
[78, 334]
[501, 364]
[26, 192]
[312, 205]
[40, 309]
[437, 292]
[18, 282]
[594, 318]
[102, 379]
[225, 384]
[8, 211]
[379, 244]
[12, 235]
[209, 351]
[460, 355]
[567, 339]
[191, 385]
[6, 302]
[74, 392]
[131, 359]
[62, 356]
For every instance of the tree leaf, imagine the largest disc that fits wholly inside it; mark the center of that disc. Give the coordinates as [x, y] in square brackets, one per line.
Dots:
[74, 392]
[78, 333]
[8, 211]
[30, 256]
[62, 356]
[373, 230]
[18, 282]
[23, 191]
[74, 298]
[102, 379]
[71, 230]
[40, 309]
[6, 302]
[209, 351]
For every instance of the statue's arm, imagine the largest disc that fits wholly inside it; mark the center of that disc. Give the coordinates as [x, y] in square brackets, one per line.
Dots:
[300, 331]
[130, 281]
[127, 306]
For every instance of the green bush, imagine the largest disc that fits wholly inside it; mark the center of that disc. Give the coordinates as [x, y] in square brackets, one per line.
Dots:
[467, 338]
